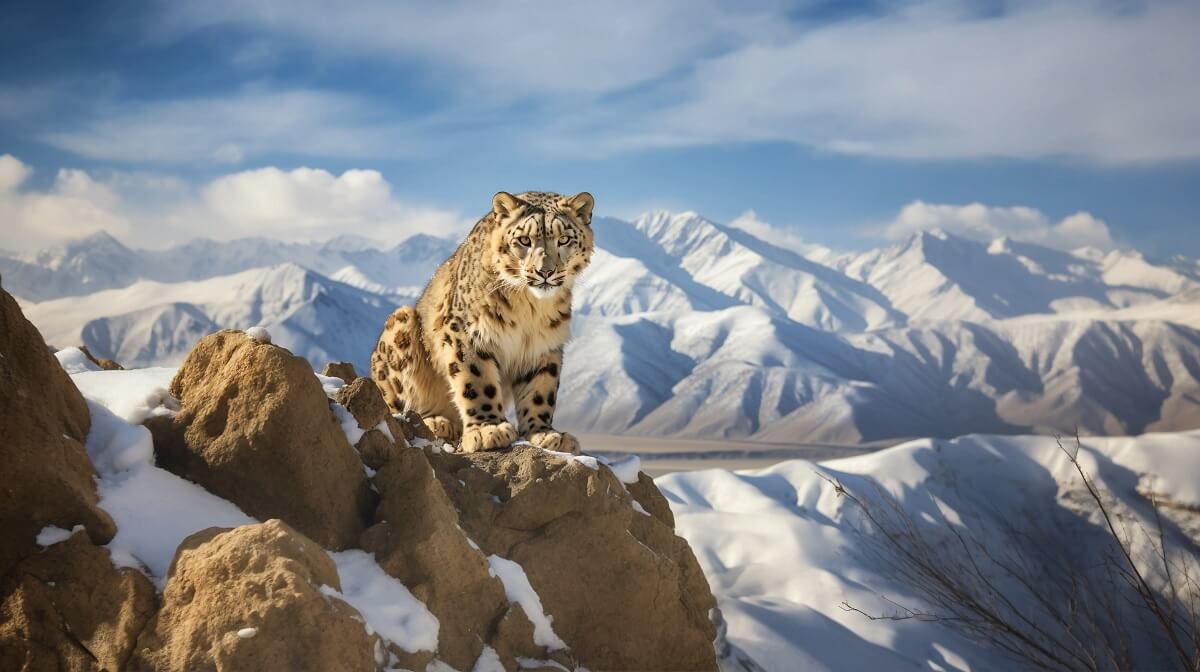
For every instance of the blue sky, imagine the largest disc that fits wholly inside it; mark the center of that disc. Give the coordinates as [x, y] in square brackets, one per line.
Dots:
[833, 122]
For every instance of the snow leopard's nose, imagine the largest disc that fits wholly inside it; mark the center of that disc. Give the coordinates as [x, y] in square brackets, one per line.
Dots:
[545, 275]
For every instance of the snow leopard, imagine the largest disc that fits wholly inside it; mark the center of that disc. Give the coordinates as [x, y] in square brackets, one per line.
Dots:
[488, 330]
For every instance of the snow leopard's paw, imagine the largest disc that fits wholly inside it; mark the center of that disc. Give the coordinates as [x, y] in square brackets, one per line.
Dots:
[553, 440]
[488, 437]
[442, 427]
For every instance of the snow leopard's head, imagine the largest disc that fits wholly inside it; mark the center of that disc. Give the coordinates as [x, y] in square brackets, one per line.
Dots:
[543, 240]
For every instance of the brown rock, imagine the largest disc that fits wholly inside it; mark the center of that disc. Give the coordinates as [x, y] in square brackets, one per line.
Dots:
[514, 639]
[69, 608]
[415, 427]
[364, 401]
[418, 541]
[375, 449]
[46, 477]
[255, 428]
[623, 590]
[646, 493]
[106, 364]
[266, 577]
[343, 370]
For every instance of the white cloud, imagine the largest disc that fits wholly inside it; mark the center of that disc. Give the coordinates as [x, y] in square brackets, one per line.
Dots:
[982, 222]
[308, 204]
[147, 209]
[74, 205]
[749, 222]
[13, 173]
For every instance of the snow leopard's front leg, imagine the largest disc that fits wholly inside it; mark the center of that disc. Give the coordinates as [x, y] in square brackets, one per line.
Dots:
[474, 380]
[536, 394]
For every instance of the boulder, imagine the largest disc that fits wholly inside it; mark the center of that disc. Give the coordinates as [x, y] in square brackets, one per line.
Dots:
[417, 540]
[46, 478]
[343, 370]
[68, 608]
[255, 428]
[251, 598]
[623, 590]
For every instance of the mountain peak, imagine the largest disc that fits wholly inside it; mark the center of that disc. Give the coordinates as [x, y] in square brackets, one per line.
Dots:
[100, 237]
[349, 242]
[99, 240]
[662, 217]
[100, 244]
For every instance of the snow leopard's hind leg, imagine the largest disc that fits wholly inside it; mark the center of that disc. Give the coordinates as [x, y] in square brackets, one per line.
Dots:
[402, 368]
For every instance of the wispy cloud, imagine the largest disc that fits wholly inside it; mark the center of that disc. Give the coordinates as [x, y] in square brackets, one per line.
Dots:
[1093, 81]
[489, 51]
[150, 209]
[227, 129]
[931, 79]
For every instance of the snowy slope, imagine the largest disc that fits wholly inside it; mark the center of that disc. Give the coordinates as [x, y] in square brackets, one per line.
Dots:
[782, 551]
[753, 272]
[742, 372]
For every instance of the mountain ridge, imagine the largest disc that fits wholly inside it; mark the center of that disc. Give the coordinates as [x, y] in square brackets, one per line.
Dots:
[687, 327]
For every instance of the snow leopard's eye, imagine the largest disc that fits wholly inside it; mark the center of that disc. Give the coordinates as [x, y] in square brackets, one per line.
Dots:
[565, 240]
[524, 241]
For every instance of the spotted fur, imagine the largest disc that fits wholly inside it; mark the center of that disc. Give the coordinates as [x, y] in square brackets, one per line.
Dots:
[489, 329]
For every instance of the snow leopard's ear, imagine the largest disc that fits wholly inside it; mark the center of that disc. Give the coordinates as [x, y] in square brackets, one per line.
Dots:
[506, 205]
[581, 204]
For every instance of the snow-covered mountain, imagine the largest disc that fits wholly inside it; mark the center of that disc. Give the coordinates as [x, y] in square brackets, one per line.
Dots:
[687, 327]
[936, 276]
[100, 262]
[155, 323]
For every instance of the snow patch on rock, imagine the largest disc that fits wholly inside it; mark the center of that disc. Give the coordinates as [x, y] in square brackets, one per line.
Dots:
[51, 535]
[259, 334]
[386, 605]
[518, 589]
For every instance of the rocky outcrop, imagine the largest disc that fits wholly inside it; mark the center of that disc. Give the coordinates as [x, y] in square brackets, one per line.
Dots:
[418, 541]
[623, 590]
[255, 428]
[46, 477]
[68, 608]
[525, 557]
[251, 599]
